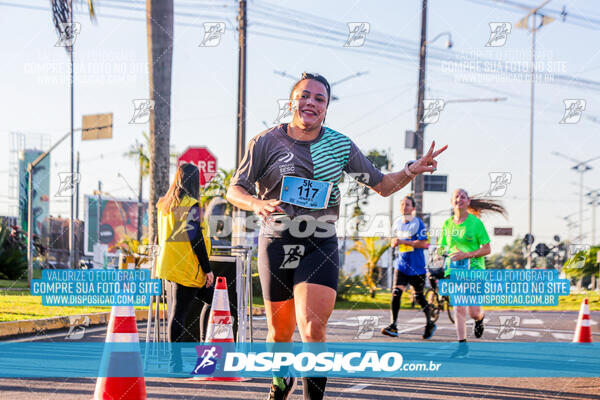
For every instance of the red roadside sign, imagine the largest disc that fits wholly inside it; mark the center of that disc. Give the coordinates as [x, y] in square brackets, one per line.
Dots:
[203, 159]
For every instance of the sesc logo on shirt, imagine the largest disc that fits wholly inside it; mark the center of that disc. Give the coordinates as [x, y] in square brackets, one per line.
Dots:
[286, 168]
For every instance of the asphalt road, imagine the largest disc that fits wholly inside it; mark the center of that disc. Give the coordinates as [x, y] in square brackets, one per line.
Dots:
[361, 326]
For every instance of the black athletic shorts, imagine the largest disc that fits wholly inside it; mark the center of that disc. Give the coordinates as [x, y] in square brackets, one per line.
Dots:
[284, 261]
[416, 281]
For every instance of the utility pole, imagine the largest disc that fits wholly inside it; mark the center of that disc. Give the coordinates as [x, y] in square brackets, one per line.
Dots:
[140, 204]
[241, 110]
[419, 183]
[238, 226]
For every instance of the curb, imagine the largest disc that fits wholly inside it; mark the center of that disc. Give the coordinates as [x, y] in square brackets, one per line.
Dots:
[13, 328]
[27, 327]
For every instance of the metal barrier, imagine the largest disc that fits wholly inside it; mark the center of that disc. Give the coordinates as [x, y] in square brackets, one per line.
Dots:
[156, 330]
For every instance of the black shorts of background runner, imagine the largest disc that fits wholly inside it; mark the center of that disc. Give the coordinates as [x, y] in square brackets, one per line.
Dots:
[416, 281]
[284, 261]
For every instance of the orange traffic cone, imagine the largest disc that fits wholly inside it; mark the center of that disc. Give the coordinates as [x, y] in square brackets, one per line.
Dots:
[122, 328]
[583, 332]
[220, 326]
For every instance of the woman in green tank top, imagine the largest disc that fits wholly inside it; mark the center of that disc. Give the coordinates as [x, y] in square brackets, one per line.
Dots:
[466, 242]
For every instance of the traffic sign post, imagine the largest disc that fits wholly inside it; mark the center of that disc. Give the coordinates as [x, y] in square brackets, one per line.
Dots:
[203, 159]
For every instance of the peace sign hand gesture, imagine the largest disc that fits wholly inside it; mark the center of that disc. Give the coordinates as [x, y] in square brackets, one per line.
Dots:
[427, 163]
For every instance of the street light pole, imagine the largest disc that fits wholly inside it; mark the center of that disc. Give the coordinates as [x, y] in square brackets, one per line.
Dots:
[71, 231]
[524, 24]
[581, 167]
[531, 118]
[594, 195]
[30, 227]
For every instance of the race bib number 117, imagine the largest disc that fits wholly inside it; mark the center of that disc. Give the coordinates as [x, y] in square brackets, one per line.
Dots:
[303, 192]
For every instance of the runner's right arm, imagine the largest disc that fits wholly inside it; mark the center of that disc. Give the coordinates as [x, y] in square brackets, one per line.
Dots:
[242, 188]
[239, 197]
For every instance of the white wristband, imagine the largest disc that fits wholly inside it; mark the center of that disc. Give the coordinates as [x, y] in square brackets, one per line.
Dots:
[407, 170]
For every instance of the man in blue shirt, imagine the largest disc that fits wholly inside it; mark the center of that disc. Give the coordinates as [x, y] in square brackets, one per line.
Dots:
[411, 239]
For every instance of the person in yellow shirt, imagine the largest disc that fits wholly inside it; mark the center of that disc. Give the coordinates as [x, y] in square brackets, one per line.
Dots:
[183, 258]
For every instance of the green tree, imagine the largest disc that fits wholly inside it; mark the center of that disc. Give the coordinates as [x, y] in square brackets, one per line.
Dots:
[380, 159]
[513, 256]
[139, 149]
[371, 248]
[583, 263]
[217, 187]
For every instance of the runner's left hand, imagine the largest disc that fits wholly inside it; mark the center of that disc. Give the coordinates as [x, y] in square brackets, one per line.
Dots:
[459, 255]
[427, 163]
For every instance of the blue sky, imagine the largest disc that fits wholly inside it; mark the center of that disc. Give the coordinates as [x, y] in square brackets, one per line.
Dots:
[374, 109]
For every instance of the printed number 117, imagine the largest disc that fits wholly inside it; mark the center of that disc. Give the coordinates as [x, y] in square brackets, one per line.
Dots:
[307, 190]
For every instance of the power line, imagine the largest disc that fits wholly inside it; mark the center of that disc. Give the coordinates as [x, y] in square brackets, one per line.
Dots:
[515, 7]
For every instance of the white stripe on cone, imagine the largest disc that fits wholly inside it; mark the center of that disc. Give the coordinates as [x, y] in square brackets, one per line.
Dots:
[220, 300]
[123, 311]
[585, 322]
[585, 309]
[122, 337]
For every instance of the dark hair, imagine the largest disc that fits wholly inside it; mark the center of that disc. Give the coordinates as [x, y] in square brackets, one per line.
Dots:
[315, 77]
[480, 204]
[412, 200]
[185, 183]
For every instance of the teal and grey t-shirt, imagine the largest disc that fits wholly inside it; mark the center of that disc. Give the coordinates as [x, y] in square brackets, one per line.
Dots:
[272, 154]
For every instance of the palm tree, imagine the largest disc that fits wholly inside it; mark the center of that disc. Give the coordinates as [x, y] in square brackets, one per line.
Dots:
[140, 150]
[371, 248]
[159, 24]
[217, 187]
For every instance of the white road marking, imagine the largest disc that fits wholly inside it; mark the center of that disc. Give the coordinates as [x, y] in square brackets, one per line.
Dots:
[532, 321]
[414, 328]
[562, 336]
[528, 333]
[358, 387]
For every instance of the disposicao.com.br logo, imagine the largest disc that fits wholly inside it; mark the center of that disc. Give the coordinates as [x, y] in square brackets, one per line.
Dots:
[307, 360]
[317, 362]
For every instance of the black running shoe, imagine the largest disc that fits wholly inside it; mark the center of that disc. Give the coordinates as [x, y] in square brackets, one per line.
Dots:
[277, 393]
[462, 351]
[478, 328]
[390, 330]
[429, 330]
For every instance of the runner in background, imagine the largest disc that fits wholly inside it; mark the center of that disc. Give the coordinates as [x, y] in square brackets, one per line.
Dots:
[465, 240]
[411, 239]
[298, 246]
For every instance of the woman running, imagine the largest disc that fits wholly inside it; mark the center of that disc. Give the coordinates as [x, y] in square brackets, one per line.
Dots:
[289, 178]
[466, 242]
[183, 259]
